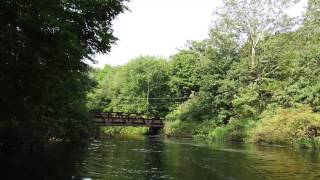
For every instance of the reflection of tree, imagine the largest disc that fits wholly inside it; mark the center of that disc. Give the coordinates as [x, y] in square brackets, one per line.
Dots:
[154, 166]
[189, 162]
[54, 162]
[284, 162]
[121, 158]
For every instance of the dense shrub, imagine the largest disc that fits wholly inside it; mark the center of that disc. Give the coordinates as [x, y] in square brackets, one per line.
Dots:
[180, 128]
[297, 126]
[190, 110]
[236, 130]
[112, 131]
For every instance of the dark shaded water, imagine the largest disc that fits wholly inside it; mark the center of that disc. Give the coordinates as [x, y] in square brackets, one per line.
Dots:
[157, 158]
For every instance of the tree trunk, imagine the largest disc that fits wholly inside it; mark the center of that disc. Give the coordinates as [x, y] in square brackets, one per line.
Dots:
[253, 56]
[148, 91]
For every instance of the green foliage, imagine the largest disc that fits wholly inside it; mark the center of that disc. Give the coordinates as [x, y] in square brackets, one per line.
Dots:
[97, 98]
[43, 74]
[189, 111]
[253, 20]
[185, 70]
[134, 87]
[236, 130]
[125, 131]
[312, 21]
[211, 92]
[298, 126]
[219, 87]
[180, 128]
[203, 129]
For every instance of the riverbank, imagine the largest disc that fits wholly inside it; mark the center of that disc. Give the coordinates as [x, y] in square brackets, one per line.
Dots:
[297, 127]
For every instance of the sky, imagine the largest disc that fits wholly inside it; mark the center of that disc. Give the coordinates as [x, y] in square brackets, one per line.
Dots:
[161, 27]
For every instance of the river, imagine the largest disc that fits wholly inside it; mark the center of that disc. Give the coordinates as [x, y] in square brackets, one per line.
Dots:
[160, 158]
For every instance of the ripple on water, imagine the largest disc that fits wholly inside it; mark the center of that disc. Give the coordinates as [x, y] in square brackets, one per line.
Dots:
[146, 150]
[172, 159]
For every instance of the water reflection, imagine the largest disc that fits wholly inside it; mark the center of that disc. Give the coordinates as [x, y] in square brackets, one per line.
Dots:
[54, 162]
[153, 160]
[156, 158]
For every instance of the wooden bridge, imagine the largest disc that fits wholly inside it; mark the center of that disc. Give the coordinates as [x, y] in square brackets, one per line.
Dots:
[127, 119]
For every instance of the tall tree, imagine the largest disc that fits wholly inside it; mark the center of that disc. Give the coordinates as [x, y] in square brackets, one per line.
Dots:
[252, 20]
[139, 86]
[312, 17]
[43, 74]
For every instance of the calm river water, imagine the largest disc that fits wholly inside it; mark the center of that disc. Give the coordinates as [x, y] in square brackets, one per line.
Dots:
[158, 158]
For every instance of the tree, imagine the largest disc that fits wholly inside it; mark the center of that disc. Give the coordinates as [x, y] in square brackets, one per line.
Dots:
[146, 77]
[252, 20]
[312, 17]
[139, 86]
[186, 70]
[43, 74]
[202, 68]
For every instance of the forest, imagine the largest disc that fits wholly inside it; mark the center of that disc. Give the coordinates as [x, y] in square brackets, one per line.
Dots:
[254, 79]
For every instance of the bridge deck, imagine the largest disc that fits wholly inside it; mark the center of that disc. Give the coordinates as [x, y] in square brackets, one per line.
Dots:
[126, 119]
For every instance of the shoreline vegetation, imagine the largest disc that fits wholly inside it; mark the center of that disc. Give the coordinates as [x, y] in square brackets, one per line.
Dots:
[245, 85]
[296, 127]
[254, 79]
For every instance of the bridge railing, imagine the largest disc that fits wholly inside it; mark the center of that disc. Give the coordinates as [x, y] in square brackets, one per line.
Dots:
[127, 119]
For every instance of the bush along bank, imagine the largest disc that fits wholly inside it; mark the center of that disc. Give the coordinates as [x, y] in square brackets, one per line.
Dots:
[125, 131]
[296, 126]
[299, 127]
